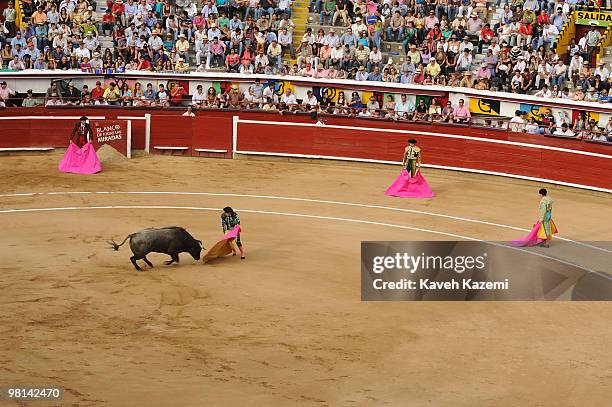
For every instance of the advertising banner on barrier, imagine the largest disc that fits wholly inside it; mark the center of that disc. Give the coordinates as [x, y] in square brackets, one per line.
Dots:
[113, 133]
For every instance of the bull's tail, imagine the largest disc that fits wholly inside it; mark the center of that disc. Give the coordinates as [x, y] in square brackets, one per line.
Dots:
[117, 246]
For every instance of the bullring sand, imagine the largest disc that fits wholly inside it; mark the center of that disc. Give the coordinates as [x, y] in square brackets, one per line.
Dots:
[286, 326]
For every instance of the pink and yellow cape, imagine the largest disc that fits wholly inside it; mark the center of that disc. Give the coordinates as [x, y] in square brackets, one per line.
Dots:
[223, 247]
[536, 236]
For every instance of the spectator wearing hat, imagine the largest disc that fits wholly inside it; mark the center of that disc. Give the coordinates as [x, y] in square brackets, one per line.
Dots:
[90, 41]
[112, 94]
[474, 26]
[97, 93]
[464, 61]
[5, 95]
[602, 71]
[592, 39]
[203, 51]
[361, 75]
[306, 54]
[10, 16]
[181, 66]
[182, 47]
[155, 42]
[82, 52]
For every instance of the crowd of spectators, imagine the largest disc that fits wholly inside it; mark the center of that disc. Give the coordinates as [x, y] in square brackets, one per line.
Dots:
[440, 41]
[264, 97]
[584, 127]
[449, 42]
[248, 36]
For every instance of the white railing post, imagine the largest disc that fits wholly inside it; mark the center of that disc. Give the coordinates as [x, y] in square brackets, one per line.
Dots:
[129, 138]
[147, 132]
[234, 135]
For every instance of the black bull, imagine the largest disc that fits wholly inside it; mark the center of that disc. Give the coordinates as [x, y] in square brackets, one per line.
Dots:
[170, 240]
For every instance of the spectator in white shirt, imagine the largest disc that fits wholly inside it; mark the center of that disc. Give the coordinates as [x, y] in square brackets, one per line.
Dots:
[189, 112]
[403, 106]
[532, 127]
[15, 64]
[289, 99]
[199, 96]
[517, 123]
[602, 71]
[311, 101]
[564, 131]
[544, 92]
[82, 52]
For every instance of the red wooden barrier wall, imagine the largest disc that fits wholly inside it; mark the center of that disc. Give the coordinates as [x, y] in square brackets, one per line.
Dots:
[452, 152]
[212, 130]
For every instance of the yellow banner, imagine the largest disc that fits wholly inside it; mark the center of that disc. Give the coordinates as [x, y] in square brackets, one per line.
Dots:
[485, 106]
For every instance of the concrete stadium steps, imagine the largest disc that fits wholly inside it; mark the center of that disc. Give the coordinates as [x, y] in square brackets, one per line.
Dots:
[607, 56]
[104, 40]
[299, 15]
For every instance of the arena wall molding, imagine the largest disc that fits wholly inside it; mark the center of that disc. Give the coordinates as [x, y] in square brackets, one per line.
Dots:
[225, 133]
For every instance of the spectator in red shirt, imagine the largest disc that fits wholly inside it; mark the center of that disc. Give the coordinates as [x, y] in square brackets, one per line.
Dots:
[486, 36]
[97, 93]
[543, 18]
[143, 64]
[248, 54]
[525, 33]
[232, 61]
[118, 10]
[176, 95]
[108, 22]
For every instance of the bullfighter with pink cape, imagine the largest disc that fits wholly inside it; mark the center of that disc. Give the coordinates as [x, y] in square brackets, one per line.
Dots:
[410, 183]
[544, 228]
[81, 157]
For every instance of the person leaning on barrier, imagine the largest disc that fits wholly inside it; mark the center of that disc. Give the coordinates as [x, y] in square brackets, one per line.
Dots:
[5, 95]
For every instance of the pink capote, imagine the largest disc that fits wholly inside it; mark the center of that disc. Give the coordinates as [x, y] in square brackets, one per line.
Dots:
[531, 239]
[223, 247]
[80, 160]
[406, 187]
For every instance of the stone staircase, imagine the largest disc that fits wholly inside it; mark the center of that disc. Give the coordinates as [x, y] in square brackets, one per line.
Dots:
[104, 40]
[607, 56]
[493, 20]
[299, 16]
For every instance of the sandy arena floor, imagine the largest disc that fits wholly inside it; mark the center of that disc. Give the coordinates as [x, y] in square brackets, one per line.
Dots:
[285, 327]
